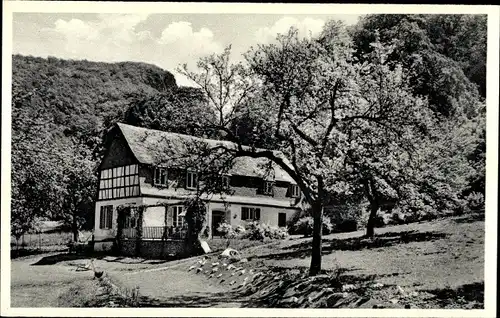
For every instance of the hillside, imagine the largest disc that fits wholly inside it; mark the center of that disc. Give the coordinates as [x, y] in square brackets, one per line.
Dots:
[76, 93]
[60, 110]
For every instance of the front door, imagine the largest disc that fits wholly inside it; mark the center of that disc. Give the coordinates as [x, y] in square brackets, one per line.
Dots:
[281, 219]
[218, 217]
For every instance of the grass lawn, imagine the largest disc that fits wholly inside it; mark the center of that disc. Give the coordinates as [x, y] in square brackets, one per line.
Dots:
[440, 263]
[446, 253]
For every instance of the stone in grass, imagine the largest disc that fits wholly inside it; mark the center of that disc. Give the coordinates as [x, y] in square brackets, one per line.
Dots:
[215, 269]
[242, 272]
[232, 282]
[215, 264]
[377, 285]
[401, 290]
[289, 301]
[211, 275]
[244, 260]
[348, 287]
[315, 295]
[394, 300]
[191, 268]
[219, 275]
[199, 269]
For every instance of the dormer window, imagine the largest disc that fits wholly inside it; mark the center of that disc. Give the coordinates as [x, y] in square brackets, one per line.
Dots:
[268, 187]
[191, 180]
[160, 177]
[294, 191]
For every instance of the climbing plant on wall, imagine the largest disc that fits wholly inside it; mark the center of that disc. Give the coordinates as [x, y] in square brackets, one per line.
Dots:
[140, 219]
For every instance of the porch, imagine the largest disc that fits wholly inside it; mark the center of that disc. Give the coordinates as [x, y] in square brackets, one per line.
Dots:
[156, 233]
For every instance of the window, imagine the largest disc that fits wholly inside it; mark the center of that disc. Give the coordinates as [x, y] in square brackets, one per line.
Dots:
[131, 219]
[191, 179]
[119, 182]
[250, 214]
[294, 191]
[177, 216]
[160, 177]
[106, 217]
[268, 187]
[225, 182]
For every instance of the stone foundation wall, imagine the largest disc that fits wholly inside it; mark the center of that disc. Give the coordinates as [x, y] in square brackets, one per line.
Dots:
[155, 248]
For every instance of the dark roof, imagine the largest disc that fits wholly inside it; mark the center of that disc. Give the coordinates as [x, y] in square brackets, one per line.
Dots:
[143, 141]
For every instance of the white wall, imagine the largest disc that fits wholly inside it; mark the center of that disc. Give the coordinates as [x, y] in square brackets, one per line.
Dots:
[268, 215]
[154, 216]
[101, 234]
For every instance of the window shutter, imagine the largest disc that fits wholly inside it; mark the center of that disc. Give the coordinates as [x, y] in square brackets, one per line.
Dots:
[244, 213]
[170, 219]
[257, 214]
[110, 217]
[101, 218]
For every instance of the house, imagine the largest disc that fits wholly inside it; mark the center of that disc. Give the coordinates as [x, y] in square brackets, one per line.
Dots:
[128, 176]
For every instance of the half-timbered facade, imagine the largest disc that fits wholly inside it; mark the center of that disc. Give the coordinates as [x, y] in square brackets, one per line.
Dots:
[129, 177]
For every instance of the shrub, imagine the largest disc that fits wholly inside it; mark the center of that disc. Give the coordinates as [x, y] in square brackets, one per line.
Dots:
[305, 226]
[475, 201]
[346, 226]
[260, 231]
[226, 230]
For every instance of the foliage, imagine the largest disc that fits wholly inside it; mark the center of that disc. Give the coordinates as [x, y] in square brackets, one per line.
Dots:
[60, 110]
[226, 230]
[475, 201]
[254, 231]
[304, 226]
[181, 110]
[261, 231]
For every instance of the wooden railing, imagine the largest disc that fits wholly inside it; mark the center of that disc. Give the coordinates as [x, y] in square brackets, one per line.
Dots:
[156, 233]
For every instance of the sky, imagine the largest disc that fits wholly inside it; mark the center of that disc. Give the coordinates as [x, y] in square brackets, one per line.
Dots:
[165, 40]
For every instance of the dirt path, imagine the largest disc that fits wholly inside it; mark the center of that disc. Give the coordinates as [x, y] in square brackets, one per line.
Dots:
[48, 285]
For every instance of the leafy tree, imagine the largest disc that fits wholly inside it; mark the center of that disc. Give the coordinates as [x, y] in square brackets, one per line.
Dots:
[32, 180]
[311, 92]
[182, 110]
[76, 196]
[420, 47]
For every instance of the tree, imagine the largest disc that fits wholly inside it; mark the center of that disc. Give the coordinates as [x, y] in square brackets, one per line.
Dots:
[79, 180]
[310, 90]
[428, 49]
[181, 110]
[32, 179]
[381, 141]
[431, 50]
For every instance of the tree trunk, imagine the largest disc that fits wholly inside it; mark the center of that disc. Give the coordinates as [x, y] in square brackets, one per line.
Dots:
[370, 227]
[317, 209]
[74, 227]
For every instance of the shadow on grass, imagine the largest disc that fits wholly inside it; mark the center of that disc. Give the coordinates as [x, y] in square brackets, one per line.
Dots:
[466, 293]
[303, 250]
[203, 300]
[275, 293]
[128, 260]
[62, 257]
[470, 218]
[28, 251]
